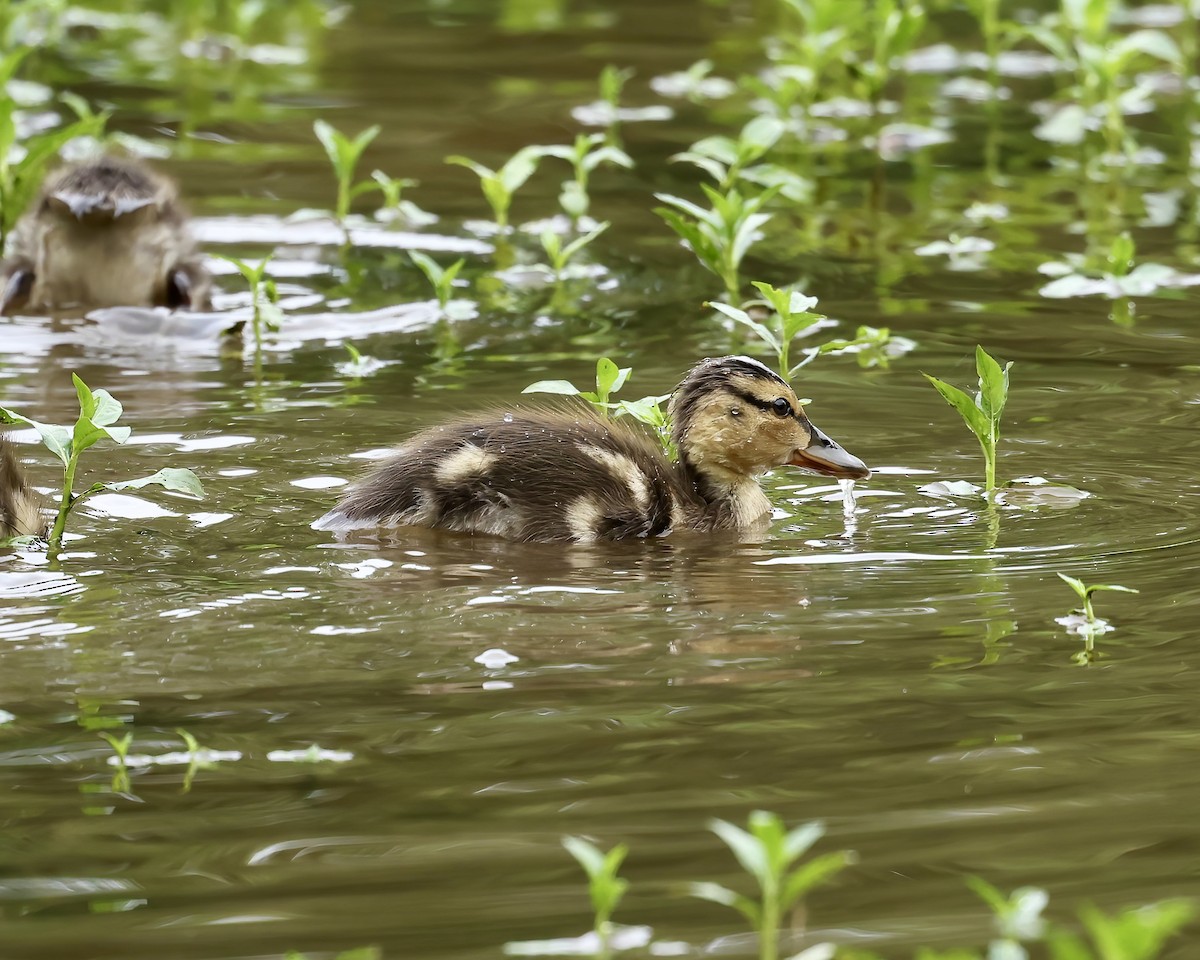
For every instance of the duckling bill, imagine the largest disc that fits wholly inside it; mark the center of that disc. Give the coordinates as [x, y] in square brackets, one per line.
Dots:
[558, 475]
[105, 233]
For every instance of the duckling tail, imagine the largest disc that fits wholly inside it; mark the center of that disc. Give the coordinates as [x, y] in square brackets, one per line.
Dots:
[20, 508]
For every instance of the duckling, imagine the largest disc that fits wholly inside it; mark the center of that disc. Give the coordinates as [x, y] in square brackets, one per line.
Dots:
[21, 513]
[558, 475]
[104, 233]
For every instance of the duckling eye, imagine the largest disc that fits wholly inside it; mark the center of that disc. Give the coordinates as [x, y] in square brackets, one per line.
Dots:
[782, 408]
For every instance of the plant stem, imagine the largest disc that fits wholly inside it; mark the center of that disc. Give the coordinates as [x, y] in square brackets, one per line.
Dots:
[64, 508]
[768, 935]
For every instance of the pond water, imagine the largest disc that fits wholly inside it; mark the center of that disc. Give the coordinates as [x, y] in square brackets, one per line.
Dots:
[896, 671]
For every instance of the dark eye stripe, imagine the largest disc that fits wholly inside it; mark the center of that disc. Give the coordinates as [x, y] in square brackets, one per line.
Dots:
[767, 406]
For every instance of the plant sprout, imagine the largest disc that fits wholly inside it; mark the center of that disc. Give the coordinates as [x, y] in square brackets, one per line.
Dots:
[1018, 917]
[344, 154]
[560, 256]
[1132, 934]
[767, 851]
[499, 186]
[719, 237]
[727, 160]
[791, 315]
[394, 205]
[605, 888]
[1091, 625]
[264, 297]
[587, 153]
[442, 280]
[98, 411]
[120, 745]
[609, 379]
[981, 414]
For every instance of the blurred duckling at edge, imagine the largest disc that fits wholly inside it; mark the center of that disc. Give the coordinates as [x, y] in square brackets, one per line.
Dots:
[21, 511]
[106, 232]
[572, 475]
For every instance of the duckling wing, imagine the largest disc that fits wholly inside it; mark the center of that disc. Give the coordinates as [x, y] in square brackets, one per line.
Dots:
[525, 477]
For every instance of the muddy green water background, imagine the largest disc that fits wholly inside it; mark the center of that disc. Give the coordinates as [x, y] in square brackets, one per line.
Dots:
[898, 673]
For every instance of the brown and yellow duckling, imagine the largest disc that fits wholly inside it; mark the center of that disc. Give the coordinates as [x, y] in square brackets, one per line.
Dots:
[104, 233]
[557, 475]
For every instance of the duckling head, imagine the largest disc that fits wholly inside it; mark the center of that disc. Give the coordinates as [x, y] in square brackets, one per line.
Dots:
[103, 191]
[734, 418]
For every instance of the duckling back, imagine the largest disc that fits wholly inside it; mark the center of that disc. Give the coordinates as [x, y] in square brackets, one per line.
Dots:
[104, 233]
[545, 476]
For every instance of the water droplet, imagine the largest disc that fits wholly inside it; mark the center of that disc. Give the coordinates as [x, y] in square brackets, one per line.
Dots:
[508, 418]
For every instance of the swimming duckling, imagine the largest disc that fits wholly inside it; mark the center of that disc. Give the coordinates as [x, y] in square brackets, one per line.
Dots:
[105, 233]
[557, 475]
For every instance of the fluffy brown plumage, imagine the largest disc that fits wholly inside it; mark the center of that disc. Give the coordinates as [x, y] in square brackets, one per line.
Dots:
[104, 233]
[555, 475]
[21, 512]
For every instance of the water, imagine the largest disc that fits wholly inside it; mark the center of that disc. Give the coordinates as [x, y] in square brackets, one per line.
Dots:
[895, 669]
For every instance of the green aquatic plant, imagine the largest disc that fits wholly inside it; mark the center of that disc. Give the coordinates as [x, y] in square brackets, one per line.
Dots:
[441, 279]
[1106, 86]
[344, 154]
[1084, 592]
[726, 159]
[500, 186]
[768, 852]
[587, 153]
[791, 315]
[1084, 620]
[264, 297]
[609, 379]
[98, 412]
[605, 888]
[981, 413]
[720, 236]
[120, 746]
[395, 207]
[1017, 917]
[894, 26]
[1137, 933]
[560, 255]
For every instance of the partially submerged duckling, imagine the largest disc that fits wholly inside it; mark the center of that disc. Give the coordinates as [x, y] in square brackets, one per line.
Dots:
[553, 475]
[105, 233]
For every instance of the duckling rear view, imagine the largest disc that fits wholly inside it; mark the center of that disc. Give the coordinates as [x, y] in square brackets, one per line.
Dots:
[557, 475]
[104, 233]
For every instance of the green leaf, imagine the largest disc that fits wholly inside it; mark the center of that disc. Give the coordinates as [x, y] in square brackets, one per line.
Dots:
[586, 854]
[55, 438]
[609, 377]
[740, 316]
[964, 404]
[993, 387]
[1079, 587]
[1115, 588]
[812, 874]
[715, 893]
[482, 172]
[579, 243]
[745, 846]
[427, 266]
[564, 387]
[1136, 934]
[176, 479]
[798, 841]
